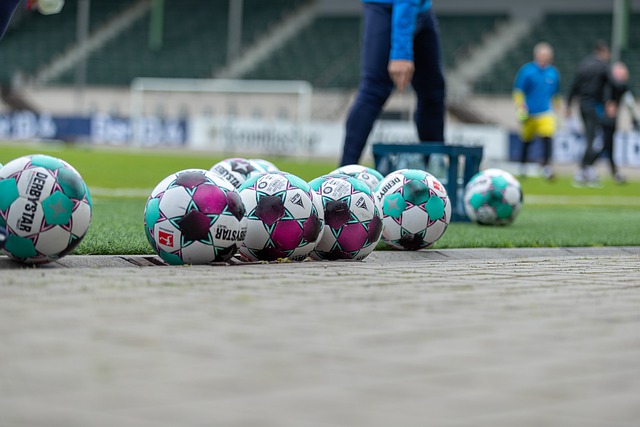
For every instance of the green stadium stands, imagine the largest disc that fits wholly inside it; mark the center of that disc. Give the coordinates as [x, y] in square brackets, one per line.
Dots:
[572, 37]
[194, 43]
[459, 33]
[38, 39]
[327, 53]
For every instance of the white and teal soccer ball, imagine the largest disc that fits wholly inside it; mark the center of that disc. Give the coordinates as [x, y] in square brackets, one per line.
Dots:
[45, 207]
[415, 209]
[264, 165]
[195, 217]
[236, 170]
[493, 197]
[369, 176]
[353, 222]
[285, 218]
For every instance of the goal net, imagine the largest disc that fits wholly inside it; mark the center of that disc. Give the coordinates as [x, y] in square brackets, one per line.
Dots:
[233, 116]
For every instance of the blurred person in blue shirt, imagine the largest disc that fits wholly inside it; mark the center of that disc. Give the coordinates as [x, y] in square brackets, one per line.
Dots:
[535, 94]
[400, 46]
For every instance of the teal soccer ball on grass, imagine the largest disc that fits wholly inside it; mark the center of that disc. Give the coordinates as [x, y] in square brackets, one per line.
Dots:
[415, 209]
[493, 197]
[195, 217]
[45, 207]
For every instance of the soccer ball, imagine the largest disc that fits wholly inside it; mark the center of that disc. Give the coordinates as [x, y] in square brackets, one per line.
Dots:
[236, 170]
[493, 197]
[353, 222]
[264, 165]
[285, 217]
[369, 176]
[415, 209]
[49, 7]
[45, 207]
[195, 217]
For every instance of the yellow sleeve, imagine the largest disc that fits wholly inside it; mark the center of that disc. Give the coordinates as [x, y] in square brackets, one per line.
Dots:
[518, 99]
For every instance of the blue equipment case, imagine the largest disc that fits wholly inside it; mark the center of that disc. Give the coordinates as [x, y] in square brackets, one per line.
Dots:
[463, 164]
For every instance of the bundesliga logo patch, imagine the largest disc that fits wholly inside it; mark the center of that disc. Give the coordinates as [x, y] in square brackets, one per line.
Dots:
[165, 238]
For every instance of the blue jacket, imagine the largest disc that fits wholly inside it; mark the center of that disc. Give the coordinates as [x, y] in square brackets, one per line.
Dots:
[539, 86]
[403, 25]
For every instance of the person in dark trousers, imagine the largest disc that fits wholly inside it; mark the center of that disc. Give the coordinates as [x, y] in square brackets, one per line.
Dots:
[400, 46]
[616, 94]
[7, 7]
[588, 87]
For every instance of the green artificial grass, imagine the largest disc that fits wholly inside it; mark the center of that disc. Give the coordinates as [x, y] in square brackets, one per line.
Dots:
[554, 214]
[143, 168]
[117, 228]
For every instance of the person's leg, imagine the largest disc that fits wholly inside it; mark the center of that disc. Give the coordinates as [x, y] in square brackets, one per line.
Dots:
[608, 143]
[7, 7]
[526, 136]
[428, 80]
[546, 129]
[590, 120]
[375, 83]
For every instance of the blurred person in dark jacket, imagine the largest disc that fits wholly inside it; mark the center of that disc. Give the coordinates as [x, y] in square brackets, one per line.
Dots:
[588, 87]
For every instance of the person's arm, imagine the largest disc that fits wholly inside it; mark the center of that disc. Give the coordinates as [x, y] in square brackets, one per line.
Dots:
[518, 95]
[629, 101]
[403, 25]
[557, 98]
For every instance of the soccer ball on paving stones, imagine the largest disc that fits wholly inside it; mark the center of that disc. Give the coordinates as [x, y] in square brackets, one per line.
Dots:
[285, 217]
[369, 176]
[353, 222]
[493, 197]
[415, 209]
[45, 207]
[236, 170]
[264, 165]
[195, 217]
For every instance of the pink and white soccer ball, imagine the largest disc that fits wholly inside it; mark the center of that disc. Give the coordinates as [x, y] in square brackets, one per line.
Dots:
[45, 207]
[285, 220]
[415, 209]
[236, 170]
[195, 217]
[353, 222]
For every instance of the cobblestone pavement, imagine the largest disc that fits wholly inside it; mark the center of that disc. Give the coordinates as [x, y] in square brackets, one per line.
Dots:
[530, 337]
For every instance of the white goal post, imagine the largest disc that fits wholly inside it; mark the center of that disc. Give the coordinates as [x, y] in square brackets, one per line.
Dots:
[288, 100]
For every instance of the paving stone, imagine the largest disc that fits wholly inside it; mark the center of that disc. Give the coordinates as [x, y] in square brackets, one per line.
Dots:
[472, 337]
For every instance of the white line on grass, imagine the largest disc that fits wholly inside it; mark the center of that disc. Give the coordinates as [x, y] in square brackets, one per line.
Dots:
[582, 200]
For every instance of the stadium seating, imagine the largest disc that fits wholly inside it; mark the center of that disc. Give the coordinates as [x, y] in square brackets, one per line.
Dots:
[459, 33]
[573, 37]
[194, 43]
[38, 39]
[327, 53]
